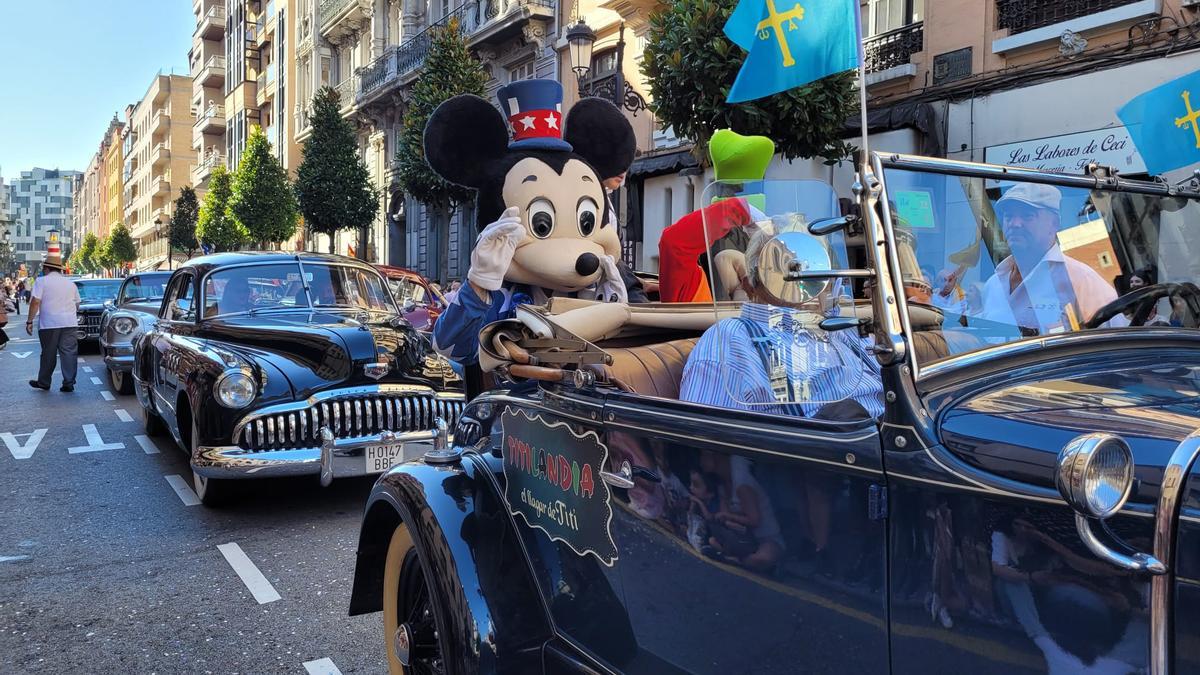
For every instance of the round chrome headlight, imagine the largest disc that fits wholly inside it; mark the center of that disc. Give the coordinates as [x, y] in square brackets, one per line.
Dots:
[235, 389]
[1095, 474]
[124, 325]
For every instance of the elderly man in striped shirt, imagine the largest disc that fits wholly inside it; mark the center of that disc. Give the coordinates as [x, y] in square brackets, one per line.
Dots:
[773, 358]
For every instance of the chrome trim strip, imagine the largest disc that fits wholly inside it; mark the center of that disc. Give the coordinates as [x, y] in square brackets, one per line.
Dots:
[888, 276]
[781, 432]
[1127, 510]
[1174, 479]
[1138, 562]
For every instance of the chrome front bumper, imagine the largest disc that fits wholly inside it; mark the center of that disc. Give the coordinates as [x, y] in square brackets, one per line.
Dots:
[336, 458]
[119, 359]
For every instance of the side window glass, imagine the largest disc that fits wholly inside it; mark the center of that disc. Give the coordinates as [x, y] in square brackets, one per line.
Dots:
[181, 307]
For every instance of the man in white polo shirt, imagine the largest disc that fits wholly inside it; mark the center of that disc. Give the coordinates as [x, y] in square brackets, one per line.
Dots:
[55, 307]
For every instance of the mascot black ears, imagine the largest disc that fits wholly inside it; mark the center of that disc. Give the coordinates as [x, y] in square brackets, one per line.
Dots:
[551, 172]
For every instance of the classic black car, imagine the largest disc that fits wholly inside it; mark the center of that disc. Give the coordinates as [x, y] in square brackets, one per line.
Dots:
[942, 453]
[95, 295]
[277, 364]
[128, 316]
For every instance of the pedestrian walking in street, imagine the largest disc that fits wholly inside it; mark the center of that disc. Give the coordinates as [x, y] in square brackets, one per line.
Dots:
[54, 306]
[20, 291]
[5, 308]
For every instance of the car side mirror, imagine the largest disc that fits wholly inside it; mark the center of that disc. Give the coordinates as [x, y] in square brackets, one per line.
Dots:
[109, 303]
[409, 305]
[180, 308]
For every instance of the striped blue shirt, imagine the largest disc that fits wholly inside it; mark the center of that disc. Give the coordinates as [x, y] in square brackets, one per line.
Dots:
[812, 368]
[456, 333]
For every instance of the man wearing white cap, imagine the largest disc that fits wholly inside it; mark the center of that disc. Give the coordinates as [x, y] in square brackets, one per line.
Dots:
[55, 307]
[1038, 288]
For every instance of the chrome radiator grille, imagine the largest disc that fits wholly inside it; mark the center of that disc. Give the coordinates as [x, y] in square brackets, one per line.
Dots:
[347, 417]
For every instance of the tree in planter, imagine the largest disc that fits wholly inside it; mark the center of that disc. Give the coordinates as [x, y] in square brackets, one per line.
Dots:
[262, 201]
[450, 69]
[215, 226]
[120, 248]
[333, 185]
[84, 258]
[182, 234]
[691, 65]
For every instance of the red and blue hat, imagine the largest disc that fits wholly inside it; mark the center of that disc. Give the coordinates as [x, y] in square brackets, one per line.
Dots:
[534, 111]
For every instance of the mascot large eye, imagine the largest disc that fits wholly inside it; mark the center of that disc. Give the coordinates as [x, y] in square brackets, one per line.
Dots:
[541, 218]
[588, 213]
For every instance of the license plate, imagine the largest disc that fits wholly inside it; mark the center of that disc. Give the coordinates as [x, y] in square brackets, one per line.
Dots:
[380, 458]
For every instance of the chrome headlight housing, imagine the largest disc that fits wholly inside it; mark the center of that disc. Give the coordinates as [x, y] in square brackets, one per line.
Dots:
[1095, 474]
[124, 325]
[235, 389]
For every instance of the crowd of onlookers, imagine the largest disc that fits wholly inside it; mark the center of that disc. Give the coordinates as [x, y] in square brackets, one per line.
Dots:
[12, 293]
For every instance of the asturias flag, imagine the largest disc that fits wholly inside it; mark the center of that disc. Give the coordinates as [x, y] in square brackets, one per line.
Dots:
[1165, 124]
[791, 43]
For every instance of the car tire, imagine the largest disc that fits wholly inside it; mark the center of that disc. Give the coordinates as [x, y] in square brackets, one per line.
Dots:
[121, 382]
[152, 422]
[408, 600]
[212, 492]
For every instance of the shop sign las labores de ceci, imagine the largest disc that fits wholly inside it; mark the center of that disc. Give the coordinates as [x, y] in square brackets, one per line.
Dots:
[1071, 154]
[552, 481]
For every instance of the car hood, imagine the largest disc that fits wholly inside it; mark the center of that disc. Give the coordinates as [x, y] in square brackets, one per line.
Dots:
[91, 307]
[148, 307]
[1018, 428]
[322, 350]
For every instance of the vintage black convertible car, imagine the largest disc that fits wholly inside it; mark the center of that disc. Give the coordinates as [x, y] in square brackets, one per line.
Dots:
[279, 364]
[133, 311]
[963, 441]
[95, 295]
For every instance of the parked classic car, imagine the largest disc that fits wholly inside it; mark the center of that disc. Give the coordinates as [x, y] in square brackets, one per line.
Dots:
[95, 296]
[127, 317]
[1027, 500]
[279, 364]
[418, 300]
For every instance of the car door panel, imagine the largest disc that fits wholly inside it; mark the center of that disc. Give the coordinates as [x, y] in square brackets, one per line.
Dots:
[715, 601]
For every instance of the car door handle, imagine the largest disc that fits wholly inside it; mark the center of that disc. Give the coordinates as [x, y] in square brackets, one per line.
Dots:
[624, 477]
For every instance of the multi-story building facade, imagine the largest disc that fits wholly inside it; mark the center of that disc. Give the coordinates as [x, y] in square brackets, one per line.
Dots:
[371, 52]
[207, 59]
[88, 206]
[7, 227]
[113, 187]
[158, 160]
[41, 201]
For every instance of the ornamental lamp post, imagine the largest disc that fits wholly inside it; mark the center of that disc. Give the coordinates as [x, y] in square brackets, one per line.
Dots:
[158, 229]
[581, 40]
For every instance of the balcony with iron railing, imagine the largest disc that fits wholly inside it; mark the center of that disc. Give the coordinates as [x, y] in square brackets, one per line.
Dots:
[210, 120]
[346, 90]
[339, 18]
[208, 161]
[888, 56]
[1019, 16]
[212, 73]
[1043, 22]
[212, 23]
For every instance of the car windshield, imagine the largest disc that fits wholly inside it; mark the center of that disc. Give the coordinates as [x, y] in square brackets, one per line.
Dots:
[406, 289]
[254, 288]
[144, 287]
[92, 292]
[987, 262]
[346, 286]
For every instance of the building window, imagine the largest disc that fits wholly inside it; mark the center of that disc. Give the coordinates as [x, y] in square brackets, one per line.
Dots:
[604, 63]
[886, 15]
[521, 71]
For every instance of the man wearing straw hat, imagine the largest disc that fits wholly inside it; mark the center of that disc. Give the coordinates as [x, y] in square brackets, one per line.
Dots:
[54, 306]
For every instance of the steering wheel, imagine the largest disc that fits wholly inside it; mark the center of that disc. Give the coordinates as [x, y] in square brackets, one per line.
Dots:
[1142, 301]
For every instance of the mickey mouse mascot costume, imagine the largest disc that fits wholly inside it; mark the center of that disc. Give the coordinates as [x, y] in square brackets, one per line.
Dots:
[545, 224]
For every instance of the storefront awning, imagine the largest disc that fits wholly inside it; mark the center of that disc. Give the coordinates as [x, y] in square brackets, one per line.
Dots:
[658, 165]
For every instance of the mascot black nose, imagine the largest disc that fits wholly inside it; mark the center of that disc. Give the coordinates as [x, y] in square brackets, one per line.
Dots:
[587, 264]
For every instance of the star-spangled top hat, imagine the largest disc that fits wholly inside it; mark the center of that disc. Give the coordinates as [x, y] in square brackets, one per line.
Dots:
[534, 111]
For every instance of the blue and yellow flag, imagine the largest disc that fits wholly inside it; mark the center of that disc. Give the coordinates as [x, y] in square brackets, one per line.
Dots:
[1164, 124]
[791, 43]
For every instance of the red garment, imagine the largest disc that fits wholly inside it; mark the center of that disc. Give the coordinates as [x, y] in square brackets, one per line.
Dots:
[680, 277]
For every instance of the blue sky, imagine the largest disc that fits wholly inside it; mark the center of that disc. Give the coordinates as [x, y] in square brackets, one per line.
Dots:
[67, 65]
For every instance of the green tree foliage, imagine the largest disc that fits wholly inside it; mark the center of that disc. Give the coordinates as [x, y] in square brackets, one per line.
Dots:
[262, 201]
[449, 70]
[215, 225]
[182, 235]
[120, 247]
[691, 66]
[83, 259]
[333, 185]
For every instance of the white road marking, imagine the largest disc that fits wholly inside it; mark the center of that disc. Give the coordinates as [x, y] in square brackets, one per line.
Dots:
[323, 666]
[21, 355]
[122, 415]
[147, 443]
[181, 488]
[95, 380]
[81, 359]
[87, 369]
[95, 443]
[107, 395]
[255, 582]
[14, 558]
[23, 450]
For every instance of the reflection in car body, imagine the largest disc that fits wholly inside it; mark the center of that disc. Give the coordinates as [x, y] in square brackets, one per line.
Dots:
[1027, 501]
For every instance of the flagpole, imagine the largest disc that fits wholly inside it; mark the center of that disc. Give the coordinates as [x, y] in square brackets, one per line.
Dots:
[862, 80]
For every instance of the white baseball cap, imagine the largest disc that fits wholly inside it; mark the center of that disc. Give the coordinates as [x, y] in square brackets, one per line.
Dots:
[1032, 194]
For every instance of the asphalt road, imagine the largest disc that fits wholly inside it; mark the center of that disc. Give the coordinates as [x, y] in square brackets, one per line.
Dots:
[106, 568]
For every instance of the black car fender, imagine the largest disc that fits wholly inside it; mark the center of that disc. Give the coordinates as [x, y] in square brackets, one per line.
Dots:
[475, 565]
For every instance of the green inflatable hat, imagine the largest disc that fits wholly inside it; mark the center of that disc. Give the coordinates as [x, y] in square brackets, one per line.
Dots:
[740, 158]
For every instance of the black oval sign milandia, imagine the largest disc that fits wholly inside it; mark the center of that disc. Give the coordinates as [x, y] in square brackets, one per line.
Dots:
[552, 480]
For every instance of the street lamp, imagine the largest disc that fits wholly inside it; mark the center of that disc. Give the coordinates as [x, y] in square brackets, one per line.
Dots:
[158, 229]
[581, 40]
